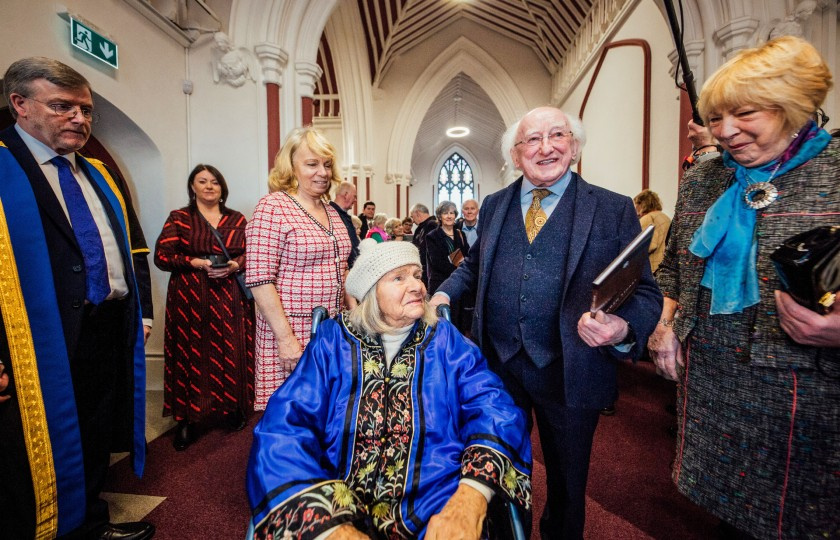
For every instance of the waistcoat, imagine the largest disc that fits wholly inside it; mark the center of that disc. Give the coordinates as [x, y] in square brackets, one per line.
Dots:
[526, 284]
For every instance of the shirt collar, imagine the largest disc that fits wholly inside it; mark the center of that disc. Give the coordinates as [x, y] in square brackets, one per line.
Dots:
[464, 226]
[558, 188]
[40, 151]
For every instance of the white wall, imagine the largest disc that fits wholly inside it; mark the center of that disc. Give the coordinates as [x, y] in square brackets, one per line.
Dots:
[613, 114]
[143, 108]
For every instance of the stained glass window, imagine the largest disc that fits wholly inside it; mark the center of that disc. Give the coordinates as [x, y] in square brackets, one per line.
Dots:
[455, 181]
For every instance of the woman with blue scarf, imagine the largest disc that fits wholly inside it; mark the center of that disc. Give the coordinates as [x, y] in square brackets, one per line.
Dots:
[759, 394]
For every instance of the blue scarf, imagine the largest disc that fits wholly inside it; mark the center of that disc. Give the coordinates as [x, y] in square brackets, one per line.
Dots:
[726, 239]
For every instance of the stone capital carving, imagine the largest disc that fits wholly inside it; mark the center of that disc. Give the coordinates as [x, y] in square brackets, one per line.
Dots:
[398, 179]
[273, 60]
[736, 35]
[694, 52]
[308, 74]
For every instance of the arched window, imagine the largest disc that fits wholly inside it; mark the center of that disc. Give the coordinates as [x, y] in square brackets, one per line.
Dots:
[455, 181]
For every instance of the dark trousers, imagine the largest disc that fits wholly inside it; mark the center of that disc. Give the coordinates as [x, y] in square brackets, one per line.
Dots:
[94, 367]
[566, 439]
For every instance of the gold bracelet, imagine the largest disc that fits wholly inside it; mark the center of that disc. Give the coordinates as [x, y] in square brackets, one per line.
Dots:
[668, 323]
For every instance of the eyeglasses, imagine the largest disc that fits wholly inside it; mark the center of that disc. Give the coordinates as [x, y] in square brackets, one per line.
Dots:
[555, 137]
[69, 111]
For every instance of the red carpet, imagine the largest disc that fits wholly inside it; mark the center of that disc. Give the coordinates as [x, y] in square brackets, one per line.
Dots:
[630, 492]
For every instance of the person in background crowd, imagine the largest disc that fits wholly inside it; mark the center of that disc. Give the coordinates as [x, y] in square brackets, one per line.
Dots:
[393, 227]
[425, 224]
[430, 428]
[357, 224]
[72, 376]
[208, 348]
[297, 249]
[368, 211]
[377, 228]
[468, 223]
[758, 401]
[541, 242]
[649, 209]
[345, 198]
[445, 249]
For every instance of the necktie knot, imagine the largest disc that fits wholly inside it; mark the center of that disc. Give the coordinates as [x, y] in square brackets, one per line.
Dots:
[61, 162]
[540, 193]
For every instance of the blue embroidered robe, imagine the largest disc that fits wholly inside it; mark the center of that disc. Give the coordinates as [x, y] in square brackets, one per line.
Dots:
[346, 439]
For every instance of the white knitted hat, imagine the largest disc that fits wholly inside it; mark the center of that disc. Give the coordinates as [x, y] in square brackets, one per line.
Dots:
[375, 260]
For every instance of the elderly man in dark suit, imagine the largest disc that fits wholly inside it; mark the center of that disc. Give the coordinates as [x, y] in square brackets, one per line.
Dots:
[541, 242]
[72, 365]
[345, 198]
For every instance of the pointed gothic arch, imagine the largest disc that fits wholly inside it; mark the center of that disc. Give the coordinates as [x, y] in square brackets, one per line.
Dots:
[461, 56]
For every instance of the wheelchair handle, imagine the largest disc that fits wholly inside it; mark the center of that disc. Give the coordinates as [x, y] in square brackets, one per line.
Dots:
[319, 313]
[444, 312]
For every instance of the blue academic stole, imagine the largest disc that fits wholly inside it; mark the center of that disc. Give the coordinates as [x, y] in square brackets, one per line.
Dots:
[39, 354]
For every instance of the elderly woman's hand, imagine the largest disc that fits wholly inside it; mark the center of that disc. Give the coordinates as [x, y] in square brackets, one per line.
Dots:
[700, 136]
[666, 350]
[461, 518]
[289, 349]
[805, 326]
[4, 382]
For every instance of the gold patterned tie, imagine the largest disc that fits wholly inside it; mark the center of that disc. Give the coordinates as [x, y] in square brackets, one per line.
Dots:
[535, 218]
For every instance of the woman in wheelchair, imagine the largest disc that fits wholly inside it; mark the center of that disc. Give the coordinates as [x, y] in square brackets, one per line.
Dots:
[391, 426]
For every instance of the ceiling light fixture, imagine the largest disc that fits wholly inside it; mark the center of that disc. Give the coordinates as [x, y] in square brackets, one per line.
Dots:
[455, 131]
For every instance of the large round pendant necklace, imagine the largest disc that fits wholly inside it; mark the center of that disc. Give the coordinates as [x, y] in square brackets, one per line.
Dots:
[760, 195]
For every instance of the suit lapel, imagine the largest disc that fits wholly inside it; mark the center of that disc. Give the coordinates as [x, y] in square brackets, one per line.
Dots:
[585, 204]
[44, 194]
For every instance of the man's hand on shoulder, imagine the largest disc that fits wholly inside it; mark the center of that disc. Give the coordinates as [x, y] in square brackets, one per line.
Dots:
[438, 299]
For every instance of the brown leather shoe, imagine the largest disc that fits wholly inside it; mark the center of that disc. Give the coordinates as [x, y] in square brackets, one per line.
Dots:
[137, 530]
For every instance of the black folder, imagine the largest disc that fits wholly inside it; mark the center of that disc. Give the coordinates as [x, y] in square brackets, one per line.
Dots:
[619, 279]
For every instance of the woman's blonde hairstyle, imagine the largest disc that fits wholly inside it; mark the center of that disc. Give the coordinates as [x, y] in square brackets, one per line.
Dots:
[390, 224]
[368, 318]
[282, 176]
[786, 74]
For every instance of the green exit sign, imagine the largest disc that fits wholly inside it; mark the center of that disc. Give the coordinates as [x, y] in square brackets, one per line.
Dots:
[95, 44]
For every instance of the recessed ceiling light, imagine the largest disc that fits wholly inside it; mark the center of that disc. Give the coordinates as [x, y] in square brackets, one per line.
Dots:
[457, 131]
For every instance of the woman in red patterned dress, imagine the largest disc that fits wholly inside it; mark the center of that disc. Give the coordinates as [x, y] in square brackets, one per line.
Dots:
[209, 341]
[297, 255]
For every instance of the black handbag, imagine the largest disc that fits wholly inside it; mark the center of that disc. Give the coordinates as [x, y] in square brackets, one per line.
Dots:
[808, 266]
[240, 279]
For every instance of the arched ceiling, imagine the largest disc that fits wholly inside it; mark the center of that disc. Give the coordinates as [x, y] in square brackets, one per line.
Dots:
[475, 110]
[393, 27]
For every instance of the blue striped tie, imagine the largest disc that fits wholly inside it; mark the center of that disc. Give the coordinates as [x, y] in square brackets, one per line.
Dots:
[97, 286]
